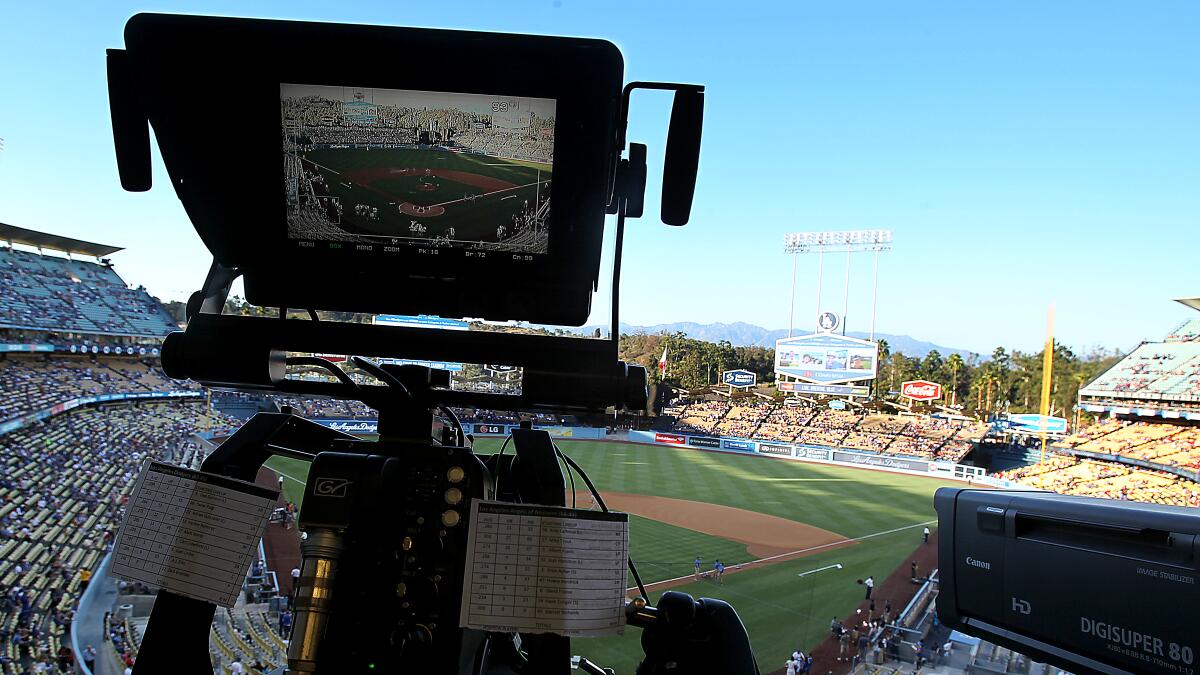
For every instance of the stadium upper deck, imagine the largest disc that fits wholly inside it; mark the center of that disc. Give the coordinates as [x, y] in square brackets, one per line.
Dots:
[49, 293]
[1157, 379]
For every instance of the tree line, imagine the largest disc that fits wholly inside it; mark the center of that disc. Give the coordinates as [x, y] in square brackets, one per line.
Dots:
[1008, 381]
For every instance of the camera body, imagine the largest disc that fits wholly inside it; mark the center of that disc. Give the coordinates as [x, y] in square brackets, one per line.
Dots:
[1090, 585]
[385, 541]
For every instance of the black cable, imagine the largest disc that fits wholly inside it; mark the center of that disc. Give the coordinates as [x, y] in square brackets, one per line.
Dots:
[604, 507]
[615, 318]
[322, 363]
[462, 433]
[570, 474]
[312, 314]
[379, 372]
[499, 468]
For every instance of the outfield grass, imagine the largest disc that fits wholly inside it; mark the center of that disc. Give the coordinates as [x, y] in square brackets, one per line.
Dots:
[780, 610]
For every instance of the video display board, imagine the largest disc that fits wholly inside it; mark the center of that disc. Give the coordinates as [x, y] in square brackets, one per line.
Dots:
[825, 358]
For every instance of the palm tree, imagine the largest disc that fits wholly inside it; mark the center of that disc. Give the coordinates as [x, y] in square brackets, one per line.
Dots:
[885, 353]
[954, 362]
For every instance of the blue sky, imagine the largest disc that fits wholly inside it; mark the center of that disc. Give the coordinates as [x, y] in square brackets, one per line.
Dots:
[1023, 153]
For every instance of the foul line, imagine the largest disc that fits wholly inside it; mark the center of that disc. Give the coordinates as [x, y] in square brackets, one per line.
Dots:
[790, 553]
[305, 159]
[494, 192]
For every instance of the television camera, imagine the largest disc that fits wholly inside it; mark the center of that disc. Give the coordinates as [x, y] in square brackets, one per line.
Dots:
[374, 169]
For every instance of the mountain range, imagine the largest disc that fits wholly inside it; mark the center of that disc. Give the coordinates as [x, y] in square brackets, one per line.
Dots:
[741, 334]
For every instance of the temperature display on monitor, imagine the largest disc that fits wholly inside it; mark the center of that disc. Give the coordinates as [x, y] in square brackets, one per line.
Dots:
[394, 168]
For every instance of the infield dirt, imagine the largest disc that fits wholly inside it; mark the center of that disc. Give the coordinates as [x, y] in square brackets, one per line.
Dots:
[770, 539]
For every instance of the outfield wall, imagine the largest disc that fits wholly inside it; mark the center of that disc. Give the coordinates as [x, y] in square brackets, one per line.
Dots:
[371, 426]
[811, 453]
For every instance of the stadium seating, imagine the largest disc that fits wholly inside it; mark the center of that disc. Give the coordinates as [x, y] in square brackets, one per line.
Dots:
[1168, 444]
[328, 408]
[911, 436]
[784, 422]
[32, 383]
[743, 418]
[51, 293]
[63, 484]
[1154, 369]
[1109, 480]
[1188, 331]
[702, 416]
[331, 408]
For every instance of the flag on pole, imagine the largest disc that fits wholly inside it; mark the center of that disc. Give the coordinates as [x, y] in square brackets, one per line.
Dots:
[662, 364]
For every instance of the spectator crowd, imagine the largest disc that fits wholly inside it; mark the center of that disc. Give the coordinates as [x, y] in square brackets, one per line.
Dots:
[64, 485]
[1173, 446]
[33, 383]
[761, 419]
[43, 292]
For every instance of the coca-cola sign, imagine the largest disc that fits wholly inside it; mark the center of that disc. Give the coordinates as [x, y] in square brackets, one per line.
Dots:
[921, 390]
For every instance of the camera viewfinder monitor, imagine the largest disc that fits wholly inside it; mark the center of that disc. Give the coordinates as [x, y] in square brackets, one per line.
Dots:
[395, 169]
[387, 170]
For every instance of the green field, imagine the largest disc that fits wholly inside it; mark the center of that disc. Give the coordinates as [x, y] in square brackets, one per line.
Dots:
[780, 611]
[477, 192]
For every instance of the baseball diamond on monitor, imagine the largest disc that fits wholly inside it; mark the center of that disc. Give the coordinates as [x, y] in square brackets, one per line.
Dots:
[401, 167]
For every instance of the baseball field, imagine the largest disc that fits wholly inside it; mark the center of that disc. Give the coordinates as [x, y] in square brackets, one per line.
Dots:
[790, 517]
[436, 188]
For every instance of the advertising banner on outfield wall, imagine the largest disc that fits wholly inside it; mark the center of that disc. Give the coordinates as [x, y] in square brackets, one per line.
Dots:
[704, 442]
[812, 453]
[881, 461]
[773, 449]
[351, 426]
[670, 439]
[490, 429]
[738, 444]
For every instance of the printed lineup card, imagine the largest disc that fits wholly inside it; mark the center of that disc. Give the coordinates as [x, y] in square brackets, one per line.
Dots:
[191, 533]
[545, 569]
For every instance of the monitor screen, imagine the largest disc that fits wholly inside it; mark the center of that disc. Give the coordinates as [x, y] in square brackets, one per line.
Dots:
[393, 168]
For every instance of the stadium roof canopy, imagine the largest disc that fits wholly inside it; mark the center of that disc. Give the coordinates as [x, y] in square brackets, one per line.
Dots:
[1194, 303]
[19, 235]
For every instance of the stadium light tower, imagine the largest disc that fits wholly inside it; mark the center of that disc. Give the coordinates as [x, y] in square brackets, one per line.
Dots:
[850, 241]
